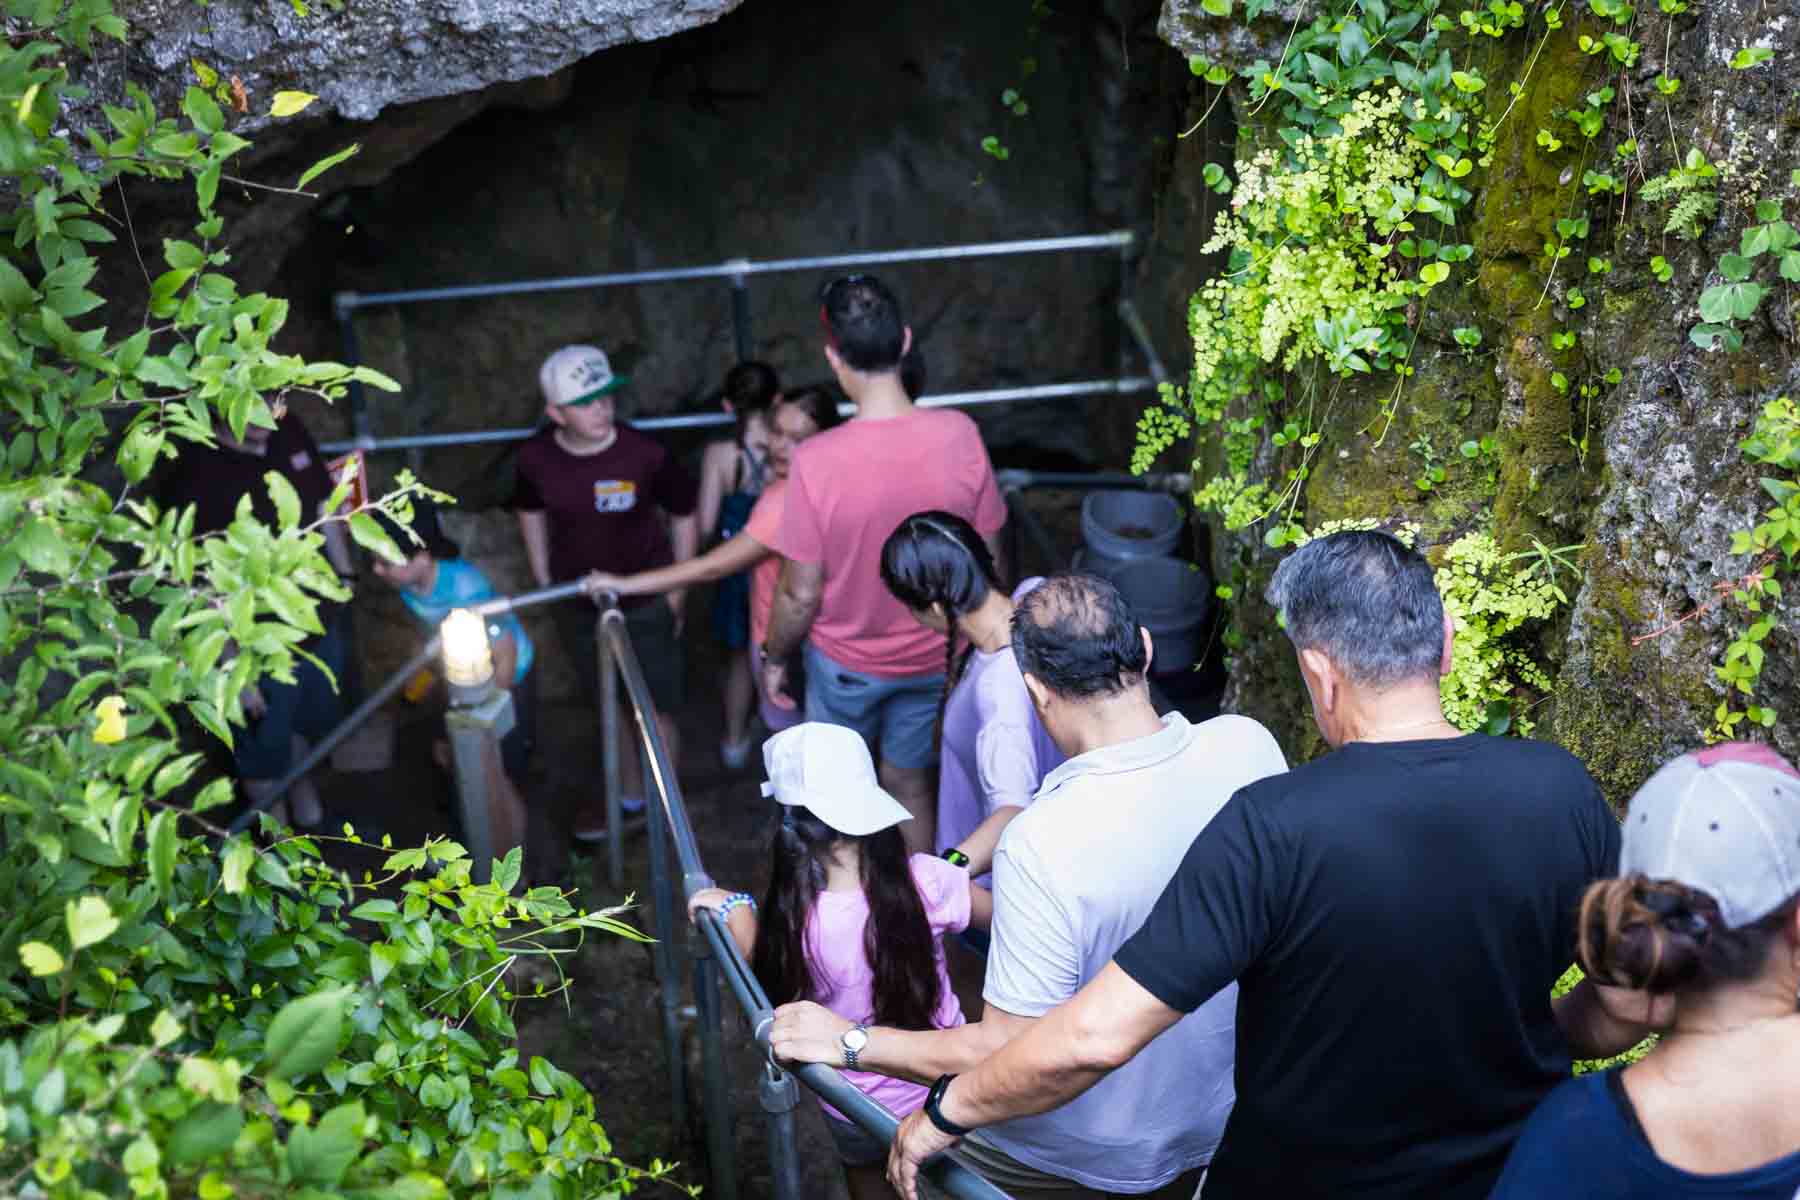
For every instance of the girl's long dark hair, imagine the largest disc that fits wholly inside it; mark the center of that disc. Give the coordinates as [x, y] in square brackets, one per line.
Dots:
[897, 938]
[937, 557]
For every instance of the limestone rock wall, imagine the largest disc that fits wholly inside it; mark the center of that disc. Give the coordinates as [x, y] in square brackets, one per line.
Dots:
[1661, 485]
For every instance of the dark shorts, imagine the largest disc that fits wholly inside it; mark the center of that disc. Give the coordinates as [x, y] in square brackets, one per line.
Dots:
[516, 747]
[651, 626]
[309, 706]
[856, 1146]
[731, 611]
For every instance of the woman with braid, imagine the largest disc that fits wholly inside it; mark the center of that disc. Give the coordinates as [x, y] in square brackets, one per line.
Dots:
[993, 751]
[1705, 917]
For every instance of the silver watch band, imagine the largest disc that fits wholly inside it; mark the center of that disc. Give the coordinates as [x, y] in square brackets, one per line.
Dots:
[851, 1053]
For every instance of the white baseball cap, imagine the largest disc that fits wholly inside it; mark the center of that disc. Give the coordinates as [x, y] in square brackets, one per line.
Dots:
[577, 374]
[1725, 820]
[827, 770]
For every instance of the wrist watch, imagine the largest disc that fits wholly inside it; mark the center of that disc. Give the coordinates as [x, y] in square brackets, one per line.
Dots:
[852, 1042]
[955, 857]
[935, 1113]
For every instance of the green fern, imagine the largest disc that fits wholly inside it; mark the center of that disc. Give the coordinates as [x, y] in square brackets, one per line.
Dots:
[1691, 185]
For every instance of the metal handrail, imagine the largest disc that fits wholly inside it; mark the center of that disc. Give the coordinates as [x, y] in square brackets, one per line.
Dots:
[738, 272]
[708, 420]
[951, 1175]
[736, 269]
[382, 694]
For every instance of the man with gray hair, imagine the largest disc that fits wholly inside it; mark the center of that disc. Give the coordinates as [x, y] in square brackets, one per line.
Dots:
[1394, 913]
[1075, 874]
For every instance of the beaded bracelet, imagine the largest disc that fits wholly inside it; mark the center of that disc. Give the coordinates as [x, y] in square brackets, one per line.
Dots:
[735, 900]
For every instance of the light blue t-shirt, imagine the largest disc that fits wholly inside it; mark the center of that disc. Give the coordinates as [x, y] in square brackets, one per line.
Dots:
[460, 585]
[1074, 877]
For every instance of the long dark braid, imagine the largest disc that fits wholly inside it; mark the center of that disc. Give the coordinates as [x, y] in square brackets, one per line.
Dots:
[936, 558]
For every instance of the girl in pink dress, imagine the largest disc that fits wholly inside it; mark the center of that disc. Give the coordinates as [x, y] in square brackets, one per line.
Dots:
[850, 920]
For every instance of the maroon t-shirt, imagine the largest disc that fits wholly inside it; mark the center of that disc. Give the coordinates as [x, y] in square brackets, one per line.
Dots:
[214, 479]
[602, 507]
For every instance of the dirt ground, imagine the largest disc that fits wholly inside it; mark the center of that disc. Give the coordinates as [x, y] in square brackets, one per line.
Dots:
[606, 1029]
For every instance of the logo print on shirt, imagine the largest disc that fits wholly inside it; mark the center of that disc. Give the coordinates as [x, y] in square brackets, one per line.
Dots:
[614, 495]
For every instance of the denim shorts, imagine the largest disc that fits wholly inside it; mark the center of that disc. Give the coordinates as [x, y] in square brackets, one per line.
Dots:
[897, 716]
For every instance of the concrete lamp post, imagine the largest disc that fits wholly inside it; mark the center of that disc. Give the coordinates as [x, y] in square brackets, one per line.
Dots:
[480, 715]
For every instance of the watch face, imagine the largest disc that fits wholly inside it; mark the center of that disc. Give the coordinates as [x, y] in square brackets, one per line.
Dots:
[855, 1039]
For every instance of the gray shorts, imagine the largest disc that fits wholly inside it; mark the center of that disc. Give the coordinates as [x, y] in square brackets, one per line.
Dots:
[897, 716]
[856, 1146]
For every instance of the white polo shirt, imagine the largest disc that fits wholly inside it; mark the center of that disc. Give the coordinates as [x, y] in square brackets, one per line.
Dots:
[1074, 877]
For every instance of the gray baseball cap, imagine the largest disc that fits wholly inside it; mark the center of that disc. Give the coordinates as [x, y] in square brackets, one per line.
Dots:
[1725, 820]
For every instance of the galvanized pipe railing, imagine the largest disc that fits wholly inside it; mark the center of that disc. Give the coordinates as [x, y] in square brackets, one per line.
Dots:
[739, 268]
[737, 271]
[776, 1089]
[970, 399]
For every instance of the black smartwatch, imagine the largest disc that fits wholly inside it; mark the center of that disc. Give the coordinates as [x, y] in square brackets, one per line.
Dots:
[955, 857]
[936, 1115]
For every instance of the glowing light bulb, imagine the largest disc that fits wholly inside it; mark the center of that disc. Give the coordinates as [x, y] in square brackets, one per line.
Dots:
[468, 659]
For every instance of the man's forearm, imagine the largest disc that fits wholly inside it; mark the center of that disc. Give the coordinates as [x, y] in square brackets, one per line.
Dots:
[1063, 1054]
[792, 616]
[923, 1055]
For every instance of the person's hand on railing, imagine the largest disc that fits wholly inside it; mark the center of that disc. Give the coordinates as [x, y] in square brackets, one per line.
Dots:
[596, 584]
[805, 1032]
[708, 898]
[917, 1140]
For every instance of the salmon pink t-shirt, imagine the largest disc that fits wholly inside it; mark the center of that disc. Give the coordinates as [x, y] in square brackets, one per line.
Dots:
[765, 526]
[849, 488]
[844, 982]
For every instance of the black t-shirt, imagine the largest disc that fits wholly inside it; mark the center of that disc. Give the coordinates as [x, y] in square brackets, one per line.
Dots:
[1395, 915]
[214, 478]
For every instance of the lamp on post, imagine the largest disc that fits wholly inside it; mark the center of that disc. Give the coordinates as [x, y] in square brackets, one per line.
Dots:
[480, 714]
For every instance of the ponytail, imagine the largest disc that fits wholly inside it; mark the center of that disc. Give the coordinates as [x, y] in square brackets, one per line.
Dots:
[1657, 935]
[937, 559]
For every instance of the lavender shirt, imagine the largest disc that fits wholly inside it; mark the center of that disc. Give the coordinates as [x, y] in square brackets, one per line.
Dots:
[995, 752]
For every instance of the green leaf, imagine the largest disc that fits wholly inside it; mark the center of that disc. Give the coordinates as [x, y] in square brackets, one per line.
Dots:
[239, 855]
[163, 840]
[1434, 273]
[165, 1029]
[286, 104]
[40, 959]
[325, 164]
[48, 1096]
[1751, 56]
[206, 1132]
[203, 111]
[43, 548]
[182, 256]
[1353, 43]
[206, 187]
[16, 295]
[287, 500]
[1736, 267]
[1216, 8]
[1322, 70]
[1790, 267]
[371, 537]
[322, 1154]
[90, 920]
[304, 1035]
